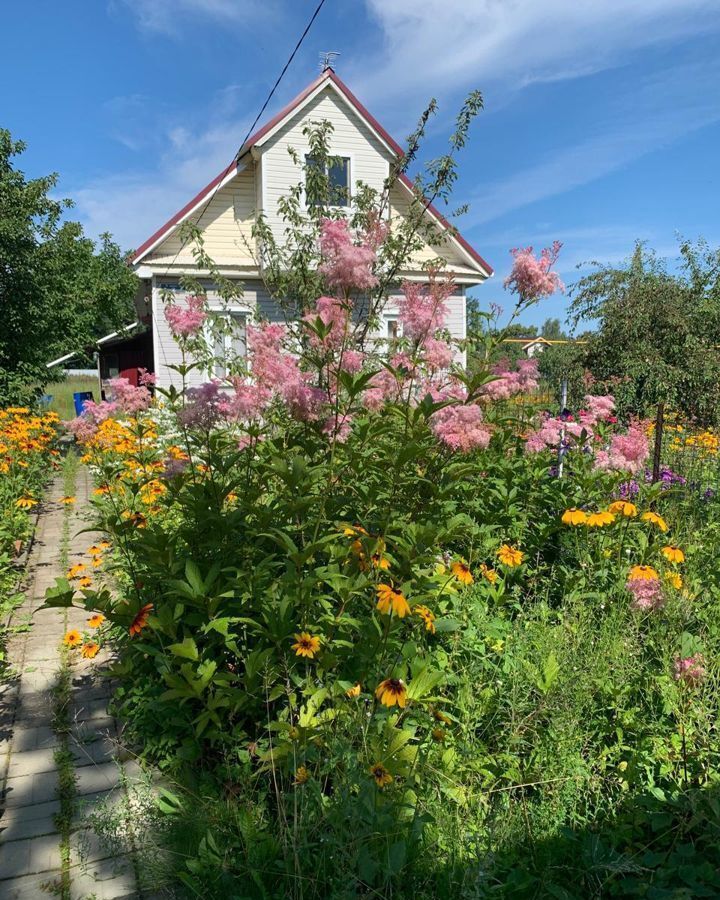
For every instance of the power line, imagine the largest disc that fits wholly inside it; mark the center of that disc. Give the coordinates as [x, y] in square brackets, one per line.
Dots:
[252, 127]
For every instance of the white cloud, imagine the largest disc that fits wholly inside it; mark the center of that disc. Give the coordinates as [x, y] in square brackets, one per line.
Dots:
[438, 45]
[168, 16]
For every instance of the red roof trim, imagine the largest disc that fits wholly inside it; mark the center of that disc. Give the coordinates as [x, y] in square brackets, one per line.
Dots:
[327, 75]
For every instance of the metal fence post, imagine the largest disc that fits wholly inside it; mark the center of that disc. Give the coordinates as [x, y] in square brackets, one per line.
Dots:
[659, 421]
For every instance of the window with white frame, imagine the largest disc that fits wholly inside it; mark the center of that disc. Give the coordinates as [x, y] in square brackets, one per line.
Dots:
[338, 175]
[227, 338]
[392, 326]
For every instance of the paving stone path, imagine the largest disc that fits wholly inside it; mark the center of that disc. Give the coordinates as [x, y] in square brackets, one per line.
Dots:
[30, 846]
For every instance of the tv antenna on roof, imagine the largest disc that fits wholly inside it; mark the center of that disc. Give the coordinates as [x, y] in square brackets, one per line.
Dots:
[327, 60]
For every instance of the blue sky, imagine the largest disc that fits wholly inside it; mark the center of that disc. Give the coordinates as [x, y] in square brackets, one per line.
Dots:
[602, 120]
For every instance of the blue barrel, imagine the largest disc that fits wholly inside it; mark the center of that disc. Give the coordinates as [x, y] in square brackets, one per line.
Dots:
[80, 398]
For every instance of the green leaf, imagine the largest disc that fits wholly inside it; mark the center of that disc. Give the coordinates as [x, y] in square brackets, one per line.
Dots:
[187, 649]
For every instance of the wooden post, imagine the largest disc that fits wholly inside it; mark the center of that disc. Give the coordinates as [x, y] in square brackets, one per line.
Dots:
[659, 421]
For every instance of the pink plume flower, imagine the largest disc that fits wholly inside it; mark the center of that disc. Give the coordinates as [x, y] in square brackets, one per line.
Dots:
[437, 354]
[345, 265]
[186, 323]
[627, 452]
[690, 669]
[335, 315]
[129, 399]
[461, 428]
[647, 593]
[352, 361]
[531, 278]
[146, 379]
[248, 401]
[423, 307]
[202, 407]
[598, 409]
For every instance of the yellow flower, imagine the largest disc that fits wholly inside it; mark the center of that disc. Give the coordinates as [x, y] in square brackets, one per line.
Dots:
[599, 519]
[673, 554]
[646, 573]
[623, 508]
[498, 646]
[380, 774]
[85, 582]
[96, 562]
[427, 616]
[655, 519]
[489, 574]
[379, 561]
[462, 572]
[90, 650]
[68, 501]
[72, 638]
[390, 600]
[392, 691]
[510, 556]
[574, 516]
[675, 579]
[96, 620]
[74, 571]
[301, 775]
[94, 550]
[25, 502]
[354, 691]
[307, 645]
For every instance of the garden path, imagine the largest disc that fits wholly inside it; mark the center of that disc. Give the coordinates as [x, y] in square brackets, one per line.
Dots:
[59, 750]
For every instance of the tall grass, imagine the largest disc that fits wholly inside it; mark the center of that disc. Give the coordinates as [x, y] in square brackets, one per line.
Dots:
[62, 393]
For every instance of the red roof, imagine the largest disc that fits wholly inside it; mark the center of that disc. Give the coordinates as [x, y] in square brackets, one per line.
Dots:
[327, 75]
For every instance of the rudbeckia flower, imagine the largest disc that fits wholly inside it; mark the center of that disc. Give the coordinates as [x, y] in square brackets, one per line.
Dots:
[392, 692]
[90, 650]
[75, 571]
[427, 616]
[72, 638]
[600, 519]
[675, 579]
[488, 573]
[85, 582]
[306, 645]
[623, 508]
[510, 556]
[673, 554]
[354, 691]
[68, 501]
[392, 601]
[462, 572]
[96, 620]
[25, 502]
[301, 775]
[574, 516]
[94, 550]
[140, 620]
[381, 775]
[643, 572]
[655, 519]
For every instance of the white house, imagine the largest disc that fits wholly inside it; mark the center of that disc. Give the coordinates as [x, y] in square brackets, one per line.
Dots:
[262, 173]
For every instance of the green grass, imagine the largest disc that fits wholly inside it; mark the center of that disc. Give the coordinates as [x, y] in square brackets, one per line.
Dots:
[62, 394]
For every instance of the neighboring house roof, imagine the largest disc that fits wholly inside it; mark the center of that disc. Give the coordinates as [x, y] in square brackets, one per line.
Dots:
[121, 335]
[328, 77]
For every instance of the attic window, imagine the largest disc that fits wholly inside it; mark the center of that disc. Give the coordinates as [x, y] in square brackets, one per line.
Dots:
[338, 173]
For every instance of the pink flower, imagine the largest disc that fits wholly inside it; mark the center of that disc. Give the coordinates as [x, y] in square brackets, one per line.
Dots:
[507, 383]
[145, 378]
[437, 354]
[647, 593]
[335, 315]
[691, 669]
[202, 409]
[423, 307]
[185, 323]
[382, 388]
[129, 399]
[531, 278]
[339, 430]
[248, 401]
[352, 361]
[461, 428]
[345, 265]
[598, 409]
[627, 452]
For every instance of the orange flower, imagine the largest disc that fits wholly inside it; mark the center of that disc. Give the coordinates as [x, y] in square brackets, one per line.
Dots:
[427, 616]
[25, 502]
[655, 519]
[354, 691]
[72, 638]
[599, 519]
[85, 582]
[140, 620]
[95, 621]
[68, 501]
[623, 508]
[646, 573]
[380, 774]
[488, 573]
[75, 571]
[306, 645]
[392, 601]
[94, 550]
[673, 554]
[574, 516]
[392, 691]
[90, 650]
[462, 572]
[510, 556]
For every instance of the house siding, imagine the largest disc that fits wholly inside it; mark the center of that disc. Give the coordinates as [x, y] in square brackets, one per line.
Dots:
[226, 225]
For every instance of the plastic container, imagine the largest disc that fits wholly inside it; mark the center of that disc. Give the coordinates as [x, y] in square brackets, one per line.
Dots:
[80, 398]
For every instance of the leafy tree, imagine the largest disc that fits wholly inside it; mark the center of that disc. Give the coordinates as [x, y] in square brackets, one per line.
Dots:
[58, 291]
[552, 330]
[658, 332]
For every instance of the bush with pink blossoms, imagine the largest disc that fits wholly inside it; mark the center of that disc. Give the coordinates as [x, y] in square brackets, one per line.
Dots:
[346, 265]
[461, 427]
[647, 593]
[532, 277]
[626, 452]
[186, 322]
[690, 669]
